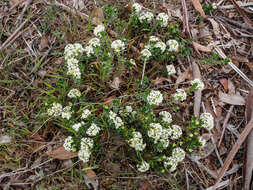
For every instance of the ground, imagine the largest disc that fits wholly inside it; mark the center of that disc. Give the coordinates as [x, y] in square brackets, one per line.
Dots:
[32, 40]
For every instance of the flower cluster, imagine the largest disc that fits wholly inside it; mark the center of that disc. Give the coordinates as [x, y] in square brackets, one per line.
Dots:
[86, 114]
[155, 97]
[171, 69]
[116, 119]
[90, 48]
[163, 19]
[136, 141]
[146, 54]
[136, 7]
[85, 149]
[197, 84]
[66, 112]
[68, 144]
[207, 120]
[93, 130]
[143, 167]
[55, 110]
[173, 45]
[77, 126]
[74, 93]
[98, 30]
[71, 53]
[180, 95]
[166, 116]
[118, 46]
[178, 155]
[146, 17]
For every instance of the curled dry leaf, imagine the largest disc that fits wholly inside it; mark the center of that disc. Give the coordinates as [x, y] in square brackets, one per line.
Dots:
[233, 99]
[62, 154]
[198, 7]
[97, 16]
[43, 43]
[185, 75]
[109, 99]
[116, 82]
[159, 80]
[201, 47]
[224, 83]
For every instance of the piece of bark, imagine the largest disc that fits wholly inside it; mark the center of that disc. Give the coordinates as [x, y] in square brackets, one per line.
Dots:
[248, 163]
[197, 93]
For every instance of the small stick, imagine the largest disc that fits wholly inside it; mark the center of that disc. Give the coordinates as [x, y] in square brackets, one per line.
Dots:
[186, 18]
[143, 71]
[224, 126]
[13, 35]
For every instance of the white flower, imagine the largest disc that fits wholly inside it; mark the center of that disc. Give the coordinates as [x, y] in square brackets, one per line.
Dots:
[85, 113]
[155, 97]
[214, 5]
[143, 167]
[74, 93]
[118, 46]
[93, 130]
[165, 142]
[178, 154]
[153, 39]
[94, 42]
[166, 132]
[180, 95]
[173, 45]
[98, 30]
[68, 143]
[132, 62]
[207, 120]
[89, 50]
[155, 131]
[202, 141]
[116, 120]
[147, 16]
[136, 7]
[66, 113]
[170, 162]
[129, 109]
[112, 115]
[163, 18]
[86, 142]
[73, 50]
[166, 116]
[176, 132]
[146, 53]
[73, 68]
[84, 154]
[77, 126]
[161, 45]
[199, 85]
[136, 141]
[55, 110]
[171, 69]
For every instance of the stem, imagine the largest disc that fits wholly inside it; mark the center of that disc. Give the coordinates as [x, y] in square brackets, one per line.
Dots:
[142, 77]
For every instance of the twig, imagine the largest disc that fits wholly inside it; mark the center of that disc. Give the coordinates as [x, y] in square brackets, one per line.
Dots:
[219, 51]
[224, 126]
[197, 93]
[143, 71]
[186, 19]
[4, 45]
[241, 4]
[232, 153]
[20, 17]
[223, 184]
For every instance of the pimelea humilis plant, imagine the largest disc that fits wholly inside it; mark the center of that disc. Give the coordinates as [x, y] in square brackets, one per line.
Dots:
[160, 140]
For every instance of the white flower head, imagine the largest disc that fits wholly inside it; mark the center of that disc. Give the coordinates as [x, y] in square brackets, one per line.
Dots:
[84, 154]
[73, 50]
[86, 142]
[136, 141]
[136, 7]
[163, 18]
[55, 110]
[74, 93]
[143, 167]
[171, 163]
[147, 16]
[93, 130]
[118, 46]
[77, 126]
[68, 143]
[178, 154]
[73, 68]
[98, 29]
[85, 113]
[207, 120]
[146, 53]
[129, 109]
[161, 45]
[165, 142]
[155, 131]
[199, 85]
[171, 69]
[94, 42]
[166, 116]
[66, 112]
[173, 45]
[180, 95]
[153, 39]
[89, 50]
[155, 97]
[176, 132]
